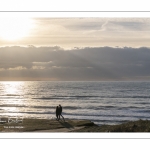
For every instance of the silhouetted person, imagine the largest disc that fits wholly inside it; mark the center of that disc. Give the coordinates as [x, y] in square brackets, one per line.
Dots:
[60, 109]
[57, 112]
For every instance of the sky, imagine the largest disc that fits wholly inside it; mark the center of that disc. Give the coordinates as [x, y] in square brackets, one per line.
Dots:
[76, 32]
[74, 49]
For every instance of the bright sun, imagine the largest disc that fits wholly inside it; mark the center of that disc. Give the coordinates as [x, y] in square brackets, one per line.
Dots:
[15, 28]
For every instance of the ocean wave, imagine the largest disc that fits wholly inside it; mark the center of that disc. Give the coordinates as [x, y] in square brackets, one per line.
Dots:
[12, 105]
[148, 103]
[140, 96]
[40, 107]
[66, 97]
[91, 97]
[12, 95]
[83, 107]
[83, 97]
[142, 111]
[125, 96]
[4, 95]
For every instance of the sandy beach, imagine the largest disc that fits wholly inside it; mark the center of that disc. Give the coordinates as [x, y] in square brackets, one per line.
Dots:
[70, 125]
[42, 125]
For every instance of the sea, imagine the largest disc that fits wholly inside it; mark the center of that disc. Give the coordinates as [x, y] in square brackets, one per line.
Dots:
[101, 102]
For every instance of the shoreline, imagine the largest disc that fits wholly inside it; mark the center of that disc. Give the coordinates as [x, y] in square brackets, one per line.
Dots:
[70, 125]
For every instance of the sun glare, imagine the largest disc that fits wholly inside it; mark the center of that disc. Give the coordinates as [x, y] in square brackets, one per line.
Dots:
[12, 87]
[15, 28]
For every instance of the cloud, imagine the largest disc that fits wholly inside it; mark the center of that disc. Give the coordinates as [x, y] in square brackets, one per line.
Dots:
[18, 68]
[88, 63]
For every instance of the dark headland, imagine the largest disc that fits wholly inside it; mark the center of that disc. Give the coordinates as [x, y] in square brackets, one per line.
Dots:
[70, 125]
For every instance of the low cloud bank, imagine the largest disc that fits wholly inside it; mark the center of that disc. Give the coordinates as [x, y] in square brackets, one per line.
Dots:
[89, 63]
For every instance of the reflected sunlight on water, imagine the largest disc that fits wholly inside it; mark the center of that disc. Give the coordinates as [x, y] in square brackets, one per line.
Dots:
[12, 91]
[12, 88]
